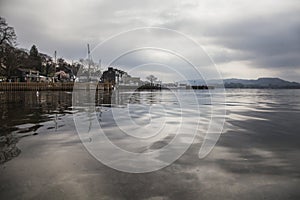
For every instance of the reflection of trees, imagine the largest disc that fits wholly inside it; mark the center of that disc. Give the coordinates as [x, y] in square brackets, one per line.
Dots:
[136, 97]
[149, 97]
[124, 97]
[18, 108]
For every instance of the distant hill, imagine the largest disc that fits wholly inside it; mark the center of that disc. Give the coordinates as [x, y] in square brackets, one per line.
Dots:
[249, 83]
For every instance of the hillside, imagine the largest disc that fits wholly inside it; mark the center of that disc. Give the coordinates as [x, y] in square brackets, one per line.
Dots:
[249, 83]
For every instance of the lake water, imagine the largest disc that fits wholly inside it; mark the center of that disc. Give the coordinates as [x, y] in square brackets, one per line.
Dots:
[256, 156]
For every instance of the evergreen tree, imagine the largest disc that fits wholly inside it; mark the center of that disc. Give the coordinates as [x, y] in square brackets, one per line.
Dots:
[34, 60]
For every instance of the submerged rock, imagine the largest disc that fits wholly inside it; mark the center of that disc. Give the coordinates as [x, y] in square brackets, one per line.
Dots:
[8, 148]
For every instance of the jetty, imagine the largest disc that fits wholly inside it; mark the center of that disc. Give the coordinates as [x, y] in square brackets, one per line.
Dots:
[202, 87]
[43, 86]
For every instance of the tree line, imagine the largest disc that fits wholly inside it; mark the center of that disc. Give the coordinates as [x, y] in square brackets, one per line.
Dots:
[13, 58]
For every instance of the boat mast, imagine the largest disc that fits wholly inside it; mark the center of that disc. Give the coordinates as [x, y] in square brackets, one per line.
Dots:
[89, 61]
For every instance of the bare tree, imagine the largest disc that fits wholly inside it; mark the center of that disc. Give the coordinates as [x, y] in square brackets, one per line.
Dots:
[8, 58]
[151, 78]
[7, 33]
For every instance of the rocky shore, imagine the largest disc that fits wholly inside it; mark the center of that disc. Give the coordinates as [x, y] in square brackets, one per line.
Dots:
[8, 148]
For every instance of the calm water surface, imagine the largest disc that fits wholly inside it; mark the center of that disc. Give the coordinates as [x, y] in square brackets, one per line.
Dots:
[257, 154]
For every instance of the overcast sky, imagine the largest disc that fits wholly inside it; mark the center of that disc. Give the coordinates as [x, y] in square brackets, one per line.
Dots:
[246, 39]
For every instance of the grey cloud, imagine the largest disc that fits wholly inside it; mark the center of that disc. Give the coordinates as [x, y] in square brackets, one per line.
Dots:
[268, 41]
[273, 43]
[265, 37]
[268, 36]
